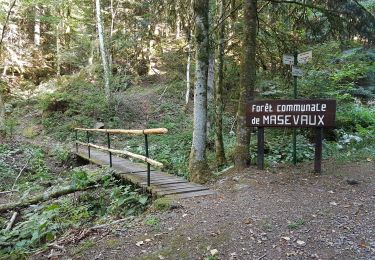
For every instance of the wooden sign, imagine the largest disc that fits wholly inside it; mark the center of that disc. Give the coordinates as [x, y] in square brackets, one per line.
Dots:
[291, 113]
[304, 57]
[288, 59]
[296, 71]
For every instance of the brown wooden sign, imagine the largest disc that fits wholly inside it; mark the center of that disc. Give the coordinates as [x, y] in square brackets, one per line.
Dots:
[291, 113]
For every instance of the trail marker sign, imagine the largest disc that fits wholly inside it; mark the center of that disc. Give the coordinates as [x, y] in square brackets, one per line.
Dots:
[304, 57]
[288, 59]
[296, 71]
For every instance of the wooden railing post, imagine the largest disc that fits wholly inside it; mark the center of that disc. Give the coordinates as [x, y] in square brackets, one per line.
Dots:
[109, 147]
[88, 143]
[148, 164]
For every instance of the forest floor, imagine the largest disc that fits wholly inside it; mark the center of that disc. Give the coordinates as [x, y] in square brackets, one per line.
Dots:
[282, 213]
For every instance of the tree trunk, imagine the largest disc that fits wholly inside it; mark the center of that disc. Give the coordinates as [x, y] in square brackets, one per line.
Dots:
[188, 87]
[219, 107]
[103, 51]
[198, 167]
[211, 76]
[2, 113]
[58, 46]
[37, 26]
[248, 74]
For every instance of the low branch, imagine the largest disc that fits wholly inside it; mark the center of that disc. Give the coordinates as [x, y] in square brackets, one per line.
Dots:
[44, 197]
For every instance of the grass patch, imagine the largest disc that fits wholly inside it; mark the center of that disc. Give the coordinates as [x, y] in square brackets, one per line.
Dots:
[296, 225]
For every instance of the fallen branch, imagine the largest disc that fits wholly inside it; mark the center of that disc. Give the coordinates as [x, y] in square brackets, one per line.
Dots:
[44, 197]
[7, 192]
[20, 173]
[11, 221]
[110, 224]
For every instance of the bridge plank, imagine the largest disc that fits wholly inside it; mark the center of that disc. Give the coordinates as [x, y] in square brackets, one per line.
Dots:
[162, 184]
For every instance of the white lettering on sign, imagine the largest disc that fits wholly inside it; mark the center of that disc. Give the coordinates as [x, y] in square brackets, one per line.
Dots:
[262, 108]
[301, 120]
[304, 57]
[297, 71]
[288, 59]
[301, 108]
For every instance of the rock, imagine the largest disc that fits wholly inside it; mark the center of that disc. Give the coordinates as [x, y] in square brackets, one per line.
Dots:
[352, 181]
[214, 252]
[248, 221]
[99, 125]
[236, 178]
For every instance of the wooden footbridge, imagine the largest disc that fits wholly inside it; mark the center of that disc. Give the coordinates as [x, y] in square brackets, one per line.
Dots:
[144, 175]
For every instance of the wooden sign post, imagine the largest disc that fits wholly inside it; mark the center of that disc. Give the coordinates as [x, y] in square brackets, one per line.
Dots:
[297, 113]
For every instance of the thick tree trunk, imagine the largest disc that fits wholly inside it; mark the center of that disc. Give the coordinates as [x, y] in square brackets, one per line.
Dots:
[247, 83]
[37, 26]
[198, 167]
[219, 107]
[103, 51]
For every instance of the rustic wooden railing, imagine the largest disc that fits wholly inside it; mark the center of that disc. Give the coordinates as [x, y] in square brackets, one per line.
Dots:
[109, 132]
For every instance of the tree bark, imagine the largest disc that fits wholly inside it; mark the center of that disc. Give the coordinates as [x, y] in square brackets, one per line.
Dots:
[219, 106]
[103, 51]
[248, 74]
[211, 76]
[2, 113]
[198, 166]
[58, 46]
[37, 26]
[187, 95]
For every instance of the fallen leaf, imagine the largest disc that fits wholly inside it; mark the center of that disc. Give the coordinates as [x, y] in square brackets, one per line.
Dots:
[286, 238]
[248, 221]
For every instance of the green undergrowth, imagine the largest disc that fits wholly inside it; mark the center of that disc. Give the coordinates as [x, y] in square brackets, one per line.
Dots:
[40, 225]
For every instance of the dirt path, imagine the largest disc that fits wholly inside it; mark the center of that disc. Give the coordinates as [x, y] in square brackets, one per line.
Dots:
[288, 213]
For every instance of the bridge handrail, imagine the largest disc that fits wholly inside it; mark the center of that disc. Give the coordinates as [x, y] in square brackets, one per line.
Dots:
[124, 152]
[152, 131]
[108, 149]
